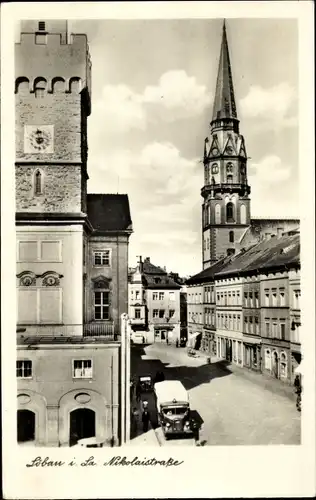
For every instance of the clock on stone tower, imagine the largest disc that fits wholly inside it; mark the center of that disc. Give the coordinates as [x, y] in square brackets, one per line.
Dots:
[38, 139]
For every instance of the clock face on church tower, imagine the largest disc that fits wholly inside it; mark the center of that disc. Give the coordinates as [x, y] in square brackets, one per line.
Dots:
[38, 138]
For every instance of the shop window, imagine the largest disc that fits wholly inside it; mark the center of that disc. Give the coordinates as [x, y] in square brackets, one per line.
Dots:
[267, 359]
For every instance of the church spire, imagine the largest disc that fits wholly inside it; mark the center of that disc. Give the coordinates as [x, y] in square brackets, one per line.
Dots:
[224, 102]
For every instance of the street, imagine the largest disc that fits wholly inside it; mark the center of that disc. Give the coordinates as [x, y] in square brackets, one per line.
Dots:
[233, 409]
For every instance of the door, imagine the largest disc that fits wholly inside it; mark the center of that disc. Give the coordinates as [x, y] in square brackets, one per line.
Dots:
[275, 365]
[25, 426]
[82, 424]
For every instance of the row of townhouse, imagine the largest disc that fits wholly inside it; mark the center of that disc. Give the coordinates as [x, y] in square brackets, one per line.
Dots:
[250, 308]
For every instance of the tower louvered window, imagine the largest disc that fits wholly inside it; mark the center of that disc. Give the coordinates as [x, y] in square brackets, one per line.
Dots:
[38, 183]
[41, 26]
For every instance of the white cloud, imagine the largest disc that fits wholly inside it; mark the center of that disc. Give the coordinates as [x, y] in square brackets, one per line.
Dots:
[178, 91]
[119, 109]
[176, 96]
[271, 170]
[270, 107]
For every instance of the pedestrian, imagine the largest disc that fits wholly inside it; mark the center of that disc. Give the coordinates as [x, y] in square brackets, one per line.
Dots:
[195, 431]
[298, 390]
[145, 420]
[177, 343]
[134, 421]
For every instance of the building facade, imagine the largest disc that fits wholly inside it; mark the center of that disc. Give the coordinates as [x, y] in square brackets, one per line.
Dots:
[72, 253]
[154, 304]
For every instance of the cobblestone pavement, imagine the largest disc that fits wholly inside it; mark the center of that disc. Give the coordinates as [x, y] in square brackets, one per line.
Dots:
[235, 410]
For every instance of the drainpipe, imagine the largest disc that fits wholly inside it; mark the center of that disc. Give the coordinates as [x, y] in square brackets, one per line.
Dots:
[123, 378]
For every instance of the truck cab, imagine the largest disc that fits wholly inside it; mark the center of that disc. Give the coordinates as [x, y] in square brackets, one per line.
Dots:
[173, 408]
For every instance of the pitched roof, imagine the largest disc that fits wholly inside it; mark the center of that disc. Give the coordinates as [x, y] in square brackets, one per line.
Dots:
[267, 254]
[207, 274]
[109, 212]
[156, 277]
[224, 102]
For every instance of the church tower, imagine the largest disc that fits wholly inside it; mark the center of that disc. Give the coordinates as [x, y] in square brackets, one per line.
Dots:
[226, 205]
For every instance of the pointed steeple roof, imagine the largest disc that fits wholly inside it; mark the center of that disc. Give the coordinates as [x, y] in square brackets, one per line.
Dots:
[224, 102]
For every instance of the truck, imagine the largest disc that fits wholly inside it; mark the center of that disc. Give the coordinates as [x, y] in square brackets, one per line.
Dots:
[173, 408]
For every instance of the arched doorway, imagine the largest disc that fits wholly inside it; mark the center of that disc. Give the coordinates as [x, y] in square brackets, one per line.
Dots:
[275, 365]
[25, 426]
[82, 424]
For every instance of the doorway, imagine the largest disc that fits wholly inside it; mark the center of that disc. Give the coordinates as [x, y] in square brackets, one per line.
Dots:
[275, 365]
[25, 426]
[82, 424]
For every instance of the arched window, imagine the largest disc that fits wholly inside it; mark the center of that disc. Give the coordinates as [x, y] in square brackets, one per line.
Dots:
[230, 212]
[58, 84]
[207, 174]
[231, 236]
[38, 183]
[22, 85]
[242, 214]
[217, 213]
[40, 87]
[209, 214]
[267, 359]
[229, 179]
[75, 85]
[283, 365]
[229, 168]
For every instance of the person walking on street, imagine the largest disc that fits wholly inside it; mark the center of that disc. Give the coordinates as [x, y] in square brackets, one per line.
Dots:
[145, 419]
[298, 390]
[195, 431]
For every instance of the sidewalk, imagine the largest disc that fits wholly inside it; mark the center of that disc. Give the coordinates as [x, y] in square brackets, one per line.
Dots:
[265, 381]
[138, 437]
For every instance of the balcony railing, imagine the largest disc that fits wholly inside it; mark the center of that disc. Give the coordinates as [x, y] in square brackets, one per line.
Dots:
[100, 329]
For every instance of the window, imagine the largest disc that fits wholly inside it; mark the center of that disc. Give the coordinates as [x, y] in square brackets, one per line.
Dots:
[41, 26]
[82, 368]
[24, 369]
[274, 298]
[161, 295]
[218, 298]
[266, 298]
[238, 298]
[161, 313]
[283, 365]
[246, 324]
[267, 359]
[229, 168]
[250, 300]
[231, 237]
[267, 329]
[256, 299]
[171, 313]
[246, 298]
[282, 297]
[256, 325]
[102, 305]
[155, 313]
[230, 212]
[217, 213]
[250, 325]
[229, 179]
[172, 296]
[155, 295]
[137, 294]
[242, 214]
[102, 258]
[274, 330]
[137, 313]
[282, 330]
[38, 183]
[296, 299]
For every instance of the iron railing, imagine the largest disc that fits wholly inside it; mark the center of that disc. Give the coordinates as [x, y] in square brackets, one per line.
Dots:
[100, 329]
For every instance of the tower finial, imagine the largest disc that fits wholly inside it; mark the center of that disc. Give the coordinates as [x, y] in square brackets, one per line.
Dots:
[224, 102]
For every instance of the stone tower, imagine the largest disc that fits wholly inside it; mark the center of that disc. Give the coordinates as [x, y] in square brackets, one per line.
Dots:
[52, 89]
[226, 205]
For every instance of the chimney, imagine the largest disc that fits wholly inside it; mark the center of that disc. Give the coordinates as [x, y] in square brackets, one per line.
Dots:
[147, 259]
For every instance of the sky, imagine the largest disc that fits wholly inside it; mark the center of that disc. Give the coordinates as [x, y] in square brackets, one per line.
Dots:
[153, 83]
